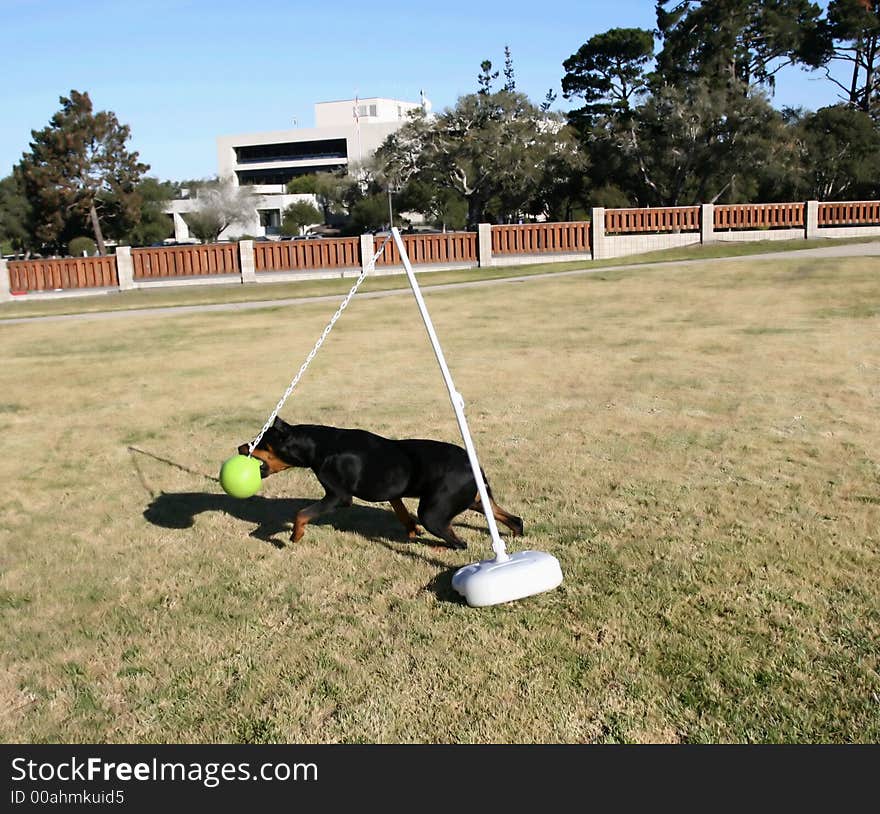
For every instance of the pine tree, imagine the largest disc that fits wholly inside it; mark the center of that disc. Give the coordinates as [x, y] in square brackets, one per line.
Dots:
[79, 175]
[509, 78]
[486, 77]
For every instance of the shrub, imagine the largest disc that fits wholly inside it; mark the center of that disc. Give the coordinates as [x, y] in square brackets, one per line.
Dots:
[79, 245]
[298, 215]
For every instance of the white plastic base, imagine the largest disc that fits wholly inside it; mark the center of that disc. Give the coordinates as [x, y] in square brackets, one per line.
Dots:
[491, 582]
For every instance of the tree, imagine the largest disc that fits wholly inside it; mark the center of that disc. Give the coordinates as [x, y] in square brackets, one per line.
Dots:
[369, 213]
[489, 150]
[218, 205]
[609, 73]
[561, 191]
[154, 224]
[78, 171]
[839, 154]
[485, 78]
[741, 41]
[14, 216]
[332, 190]
[441, 207]
[298, 215]
[82, 246]
[509, 77]
[701, 144]
[549, 100]
[853, 27]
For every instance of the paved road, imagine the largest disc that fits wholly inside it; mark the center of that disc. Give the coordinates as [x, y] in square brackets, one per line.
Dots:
[845, 250]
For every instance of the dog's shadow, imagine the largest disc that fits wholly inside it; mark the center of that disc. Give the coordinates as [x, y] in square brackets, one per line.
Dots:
[272, 518]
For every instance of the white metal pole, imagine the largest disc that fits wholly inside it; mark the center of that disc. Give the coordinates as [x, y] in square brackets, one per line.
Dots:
[457, 402]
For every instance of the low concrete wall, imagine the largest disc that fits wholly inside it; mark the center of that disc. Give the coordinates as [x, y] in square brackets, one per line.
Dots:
[174, 282]
[293, 276]
[848, 231]
[758, 234]
[623, 245]
[533, 259]
[386, 270]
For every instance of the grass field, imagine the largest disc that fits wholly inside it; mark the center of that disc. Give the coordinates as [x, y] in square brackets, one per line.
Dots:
[699, 446]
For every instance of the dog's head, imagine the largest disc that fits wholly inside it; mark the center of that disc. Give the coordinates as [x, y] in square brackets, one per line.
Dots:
[270, 450]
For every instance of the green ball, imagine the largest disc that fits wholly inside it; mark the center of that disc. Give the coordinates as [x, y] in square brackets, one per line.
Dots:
[240, 476]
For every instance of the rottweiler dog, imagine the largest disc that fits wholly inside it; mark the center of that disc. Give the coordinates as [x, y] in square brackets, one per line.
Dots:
[361, 464]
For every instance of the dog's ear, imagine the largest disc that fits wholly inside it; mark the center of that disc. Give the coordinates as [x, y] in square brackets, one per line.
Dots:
[278, 424]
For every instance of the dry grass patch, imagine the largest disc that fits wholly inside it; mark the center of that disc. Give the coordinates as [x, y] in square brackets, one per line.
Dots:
[699, 447]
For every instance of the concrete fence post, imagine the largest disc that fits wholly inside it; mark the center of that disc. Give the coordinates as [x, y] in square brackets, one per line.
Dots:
[5, 295]
[484, 244]
[246, 261]
[597, 232]
[368, 249]
[811, 219]
[707, 223]
[124, 268]
[181, 230]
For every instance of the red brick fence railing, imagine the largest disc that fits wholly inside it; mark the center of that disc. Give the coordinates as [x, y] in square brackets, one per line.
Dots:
[849, 213]
[665, 219]
[171, 262]
[459, 248]
[759, 216]
[608, 233]
[541, 238]
[66, 274]
[307, 255]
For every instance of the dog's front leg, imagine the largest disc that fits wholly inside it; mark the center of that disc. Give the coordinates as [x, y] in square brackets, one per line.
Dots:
[305, 516]
[403, 515]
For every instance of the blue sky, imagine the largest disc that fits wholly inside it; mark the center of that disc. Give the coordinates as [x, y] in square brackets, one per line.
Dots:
[182, 73]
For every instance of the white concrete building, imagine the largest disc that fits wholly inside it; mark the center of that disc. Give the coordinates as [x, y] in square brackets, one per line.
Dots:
[345, 132]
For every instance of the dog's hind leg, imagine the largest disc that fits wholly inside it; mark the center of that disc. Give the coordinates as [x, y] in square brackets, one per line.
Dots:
[514, 523]
[436, 516]
[403, 515]
[328, 503]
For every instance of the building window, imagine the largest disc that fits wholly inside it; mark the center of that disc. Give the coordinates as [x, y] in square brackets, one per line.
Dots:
[270, 220]
[280, 176]
[291, 151]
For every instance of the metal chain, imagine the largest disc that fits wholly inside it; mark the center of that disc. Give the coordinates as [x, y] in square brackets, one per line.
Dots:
[367, 269]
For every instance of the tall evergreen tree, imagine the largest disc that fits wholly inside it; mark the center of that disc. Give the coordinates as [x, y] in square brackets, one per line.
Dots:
[509, 78]
[154, 224]
[853, 27]
[743, 41]
[79, 174]
[838, 155]
[486, 77]
[700, 144]
[14, 215]
[609, 72]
